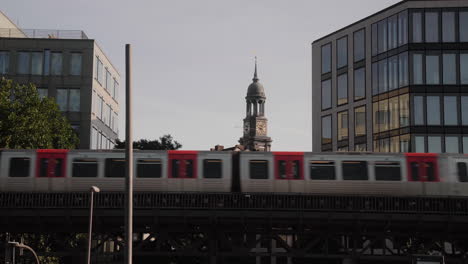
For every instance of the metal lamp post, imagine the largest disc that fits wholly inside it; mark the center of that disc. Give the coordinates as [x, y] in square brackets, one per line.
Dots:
[93, 190]
[21, 245]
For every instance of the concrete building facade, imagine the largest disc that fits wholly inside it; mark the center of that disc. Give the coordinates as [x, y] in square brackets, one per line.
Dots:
[396, 81]
[72, 69]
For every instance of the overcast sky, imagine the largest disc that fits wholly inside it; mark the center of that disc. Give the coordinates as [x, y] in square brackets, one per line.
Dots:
[193, 60]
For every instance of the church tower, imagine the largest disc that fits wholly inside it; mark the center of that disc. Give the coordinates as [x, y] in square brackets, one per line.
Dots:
[255, 136]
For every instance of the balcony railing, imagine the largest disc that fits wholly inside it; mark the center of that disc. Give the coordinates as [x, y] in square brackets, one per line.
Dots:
[42, 33]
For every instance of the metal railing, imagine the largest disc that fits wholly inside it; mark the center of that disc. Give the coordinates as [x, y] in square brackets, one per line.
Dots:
[42, 33]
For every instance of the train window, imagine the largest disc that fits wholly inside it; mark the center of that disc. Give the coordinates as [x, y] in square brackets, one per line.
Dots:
[387, 171]
[415, 171]
[259, 169]
[322, 170]
[212, 168]
[58, 167]
[84, 168]
[282, 169]
[354, 170]
[295, 170]
[175, 168]
[115, 168]
[188, 168]
[462, 173]
[43, 167]
[149, 168]
[430, 171]
[19, 167]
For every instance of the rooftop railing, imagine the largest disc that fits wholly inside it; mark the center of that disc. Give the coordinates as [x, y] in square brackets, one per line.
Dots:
[42, 33]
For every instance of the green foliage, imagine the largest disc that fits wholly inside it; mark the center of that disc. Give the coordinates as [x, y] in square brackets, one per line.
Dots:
[29, 122]
[165, 142]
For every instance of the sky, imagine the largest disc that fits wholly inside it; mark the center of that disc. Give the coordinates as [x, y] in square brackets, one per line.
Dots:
[193, 60]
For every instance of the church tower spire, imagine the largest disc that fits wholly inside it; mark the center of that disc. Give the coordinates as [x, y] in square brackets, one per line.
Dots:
[255, 123]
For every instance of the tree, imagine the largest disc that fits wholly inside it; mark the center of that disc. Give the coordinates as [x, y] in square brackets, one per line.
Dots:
[164, 143]
[30, 122]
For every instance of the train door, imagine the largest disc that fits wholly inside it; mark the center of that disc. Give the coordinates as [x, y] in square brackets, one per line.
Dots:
[423, 169]
[51, 170]
[289, 172]
[182, 170]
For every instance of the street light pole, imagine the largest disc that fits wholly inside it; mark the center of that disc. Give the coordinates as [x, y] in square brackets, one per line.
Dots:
[128, 157]
[21, 245]
[93, 190]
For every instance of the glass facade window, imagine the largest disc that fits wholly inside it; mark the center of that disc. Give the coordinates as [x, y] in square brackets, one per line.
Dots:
[46, 62]
[116, 90]
[383, 76]
[418, 110]
[359, 45]
[465, 145]
[432, 26]
[450, 111]
[419, 144]
[108, 84]
[448, 26]
[395, 144]
[61, 99]
[393, 73]
[451, 144]
[416, 29]
[75, 64]
[417, 77]
[383, 116]
[375, 117]
[374, 39]
[342, 85]
[360, 121]
[382, 36]
[433, 110]
[403, 69]
[393, 110]
[404, 110]
[432, 69]
[464, 68]
[402, 28]
[326, 58]
[463, 25]
[343, 125]
[326, 130]
[4, 62]
[360, 147]
[404, 143]
[326, 94]
[342, 52]
[464, 110]
[392, 32]
[36, 63]
[43, 92]
[23, 62]
[375, 78]
[434, 144]
[56, 63]
[359, 83]
[74, 103]
[449, 68]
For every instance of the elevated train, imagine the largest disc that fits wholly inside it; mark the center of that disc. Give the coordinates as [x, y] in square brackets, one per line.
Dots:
[410, 174]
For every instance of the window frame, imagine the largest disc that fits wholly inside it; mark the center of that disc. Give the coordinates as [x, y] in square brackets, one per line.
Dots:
[28, 170]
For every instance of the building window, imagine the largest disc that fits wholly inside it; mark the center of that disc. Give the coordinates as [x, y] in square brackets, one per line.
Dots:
[359, 84]
[99, 71]
[342, 52]
[404, 110]
[402, 28]
[360, 121]
[450, 68]
[404, 143]
[343, 125]
[464, 67]
[342, 89]
[56, 63]
[433, 110]
[448, 26]
[61, 99]
[432, 69]
[94, 134]
[393, 110]
[23, 63]
[383, 76]
[108, 81]
[464, 110]
[392, 32]
[450, 111]
[416, 29]
[326, 94]
[465, 145]
[382, 36]
[4, 62]
[382, 116]
[418, 108]
[74, 100]
[417, 68]
[375, 78]
[419, 144]
[75, 64]
[68, 99]
[116, 90]
[432, 26]
[359, 45]
[326, 130]
[403, 69]
[434, 144]
[326, 58]
[43, 92]
[46, 62]
[36, 63]
[360, 147]
[375, 116]
[451, 144]
[374, 36]
[395, 144]
[393, 73]
[463, 24]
